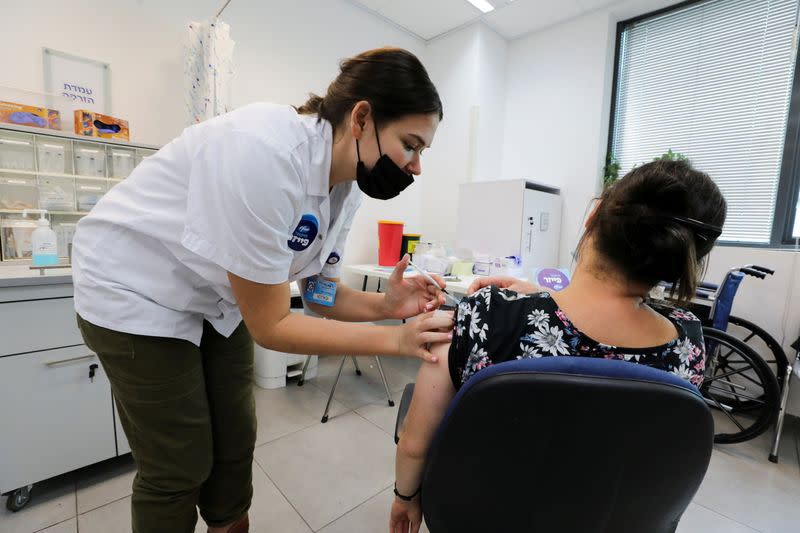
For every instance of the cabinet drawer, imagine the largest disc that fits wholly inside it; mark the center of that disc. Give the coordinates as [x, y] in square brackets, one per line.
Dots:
[34, 325]
[56, 419]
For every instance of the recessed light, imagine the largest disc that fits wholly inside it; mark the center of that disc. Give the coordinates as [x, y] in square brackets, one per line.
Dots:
[483, 5]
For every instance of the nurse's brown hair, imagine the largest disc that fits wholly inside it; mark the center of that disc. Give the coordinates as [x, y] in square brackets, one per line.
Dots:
[392, 80]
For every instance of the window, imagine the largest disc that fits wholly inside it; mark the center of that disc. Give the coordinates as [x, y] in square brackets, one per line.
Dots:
[712, 80]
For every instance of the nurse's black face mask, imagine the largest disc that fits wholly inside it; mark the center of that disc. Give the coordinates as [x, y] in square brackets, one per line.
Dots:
[386, 180]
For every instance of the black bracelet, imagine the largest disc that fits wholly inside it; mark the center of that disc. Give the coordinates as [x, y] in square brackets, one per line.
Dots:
[406, 498]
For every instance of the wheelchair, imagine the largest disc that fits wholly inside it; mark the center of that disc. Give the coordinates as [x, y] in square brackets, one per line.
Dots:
[746, 368]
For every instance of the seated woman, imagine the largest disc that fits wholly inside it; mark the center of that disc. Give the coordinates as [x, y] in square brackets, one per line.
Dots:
[657, 223]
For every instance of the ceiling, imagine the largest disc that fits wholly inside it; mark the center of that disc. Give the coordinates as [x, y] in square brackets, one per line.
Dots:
[428, 19]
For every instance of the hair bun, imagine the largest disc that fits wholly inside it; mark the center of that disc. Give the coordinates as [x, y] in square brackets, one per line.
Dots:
[638, 228]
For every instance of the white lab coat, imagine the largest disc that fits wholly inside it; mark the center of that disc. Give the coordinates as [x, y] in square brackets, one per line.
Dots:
[246, 192]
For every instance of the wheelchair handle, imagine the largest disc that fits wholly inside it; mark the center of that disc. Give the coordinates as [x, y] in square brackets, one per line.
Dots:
[752, 272]
[765, 270]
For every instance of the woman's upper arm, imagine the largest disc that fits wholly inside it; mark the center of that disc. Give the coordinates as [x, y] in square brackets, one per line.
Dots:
[262, 306]
[432, 394]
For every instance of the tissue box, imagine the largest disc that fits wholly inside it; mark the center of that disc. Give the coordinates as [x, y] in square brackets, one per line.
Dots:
[26, 115]
[94, 124]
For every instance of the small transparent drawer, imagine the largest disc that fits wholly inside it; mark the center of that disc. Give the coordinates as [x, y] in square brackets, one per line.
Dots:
[15, 238]
[18, 192]
[142, 154]
[65, 231]
[16, 151]
[120, 161]
[56, 193]
[89, 192]
[54, 155]
[90, 160]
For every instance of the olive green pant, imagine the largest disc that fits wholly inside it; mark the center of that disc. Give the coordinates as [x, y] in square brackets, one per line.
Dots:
[189, 415]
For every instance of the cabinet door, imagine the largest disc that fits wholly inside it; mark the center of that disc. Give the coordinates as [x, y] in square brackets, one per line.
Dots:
[38, 325]
[122, 441]
[541, 230]
[54, 418]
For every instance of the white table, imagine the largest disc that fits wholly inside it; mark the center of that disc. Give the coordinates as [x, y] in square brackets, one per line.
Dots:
[379, 272]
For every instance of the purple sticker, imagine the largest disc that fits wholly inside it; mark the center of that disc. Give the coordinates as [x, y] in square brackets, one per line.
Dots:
[552, 278]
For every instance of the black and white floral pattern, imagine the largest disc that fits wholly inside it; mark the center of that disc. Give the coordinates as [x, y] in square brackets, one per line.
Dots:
[495, 325]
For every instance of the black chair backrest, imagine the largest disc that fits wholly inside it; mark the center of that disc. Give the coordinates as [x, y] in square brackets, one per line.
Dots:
[567, 444]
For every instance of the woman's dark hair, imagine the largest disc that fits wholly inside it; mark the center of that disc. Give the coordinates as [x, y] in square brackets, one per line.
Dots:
[392, 80]
[658, 223]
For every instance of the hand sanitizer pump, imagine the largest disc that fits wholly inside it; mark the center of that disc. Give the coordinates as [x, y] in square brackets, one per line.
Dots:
[43, 240]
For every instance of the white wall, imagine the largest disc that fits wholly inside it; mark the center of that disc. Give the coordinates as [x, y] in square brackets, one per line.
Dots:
[556, 131]
[468, 68]
[554, 121]
[284, 50]
[144, 54]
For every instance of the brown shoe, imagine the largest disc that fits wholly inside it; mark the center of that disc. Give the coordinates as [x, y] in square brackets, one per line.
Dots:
[240, 526]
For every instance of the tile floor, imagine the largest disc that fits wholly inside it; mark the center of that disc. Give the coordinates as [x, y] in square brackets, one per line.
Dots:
[337, 477]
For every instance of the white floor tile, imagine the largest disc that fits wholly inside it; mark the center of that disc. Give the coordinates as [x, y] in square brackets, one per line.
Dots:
[291, 408]
[328, 469]
[105, 483]
[67, 526]
[357, 391]
[270, 511]
[52, 502]
[698, 519]
[114, 517]
[744, 486]
[372, 515]
[380, 414]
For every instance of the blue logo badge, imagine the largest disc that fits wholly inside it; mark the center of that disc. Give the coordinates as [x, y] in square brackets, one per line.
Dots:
[333, 258]
[305, 233]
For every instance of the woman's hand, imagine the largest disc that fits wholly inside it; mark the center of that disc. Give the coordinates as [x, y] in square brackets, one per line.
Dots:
[504, 282]
[414, 336]
[407, 297]
[405, 516]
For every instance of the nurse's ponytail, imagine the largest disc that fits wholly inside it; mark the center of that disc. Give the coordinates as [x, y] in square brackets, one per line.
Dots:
[312, 105]
[658, 223]
[392, 80]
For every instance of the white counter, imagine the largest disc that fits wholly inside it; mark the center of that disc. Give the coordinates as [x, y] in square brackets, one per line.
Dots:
[374, 271]
[21, 275]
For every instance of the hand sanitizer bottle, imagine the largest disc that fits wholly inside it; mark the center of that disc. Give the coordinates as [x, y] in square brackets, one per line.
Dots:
[43, 240]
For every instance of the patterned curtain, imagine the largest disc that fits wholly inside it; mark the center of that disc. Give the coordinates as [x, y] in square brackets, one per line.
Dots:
[208, 70]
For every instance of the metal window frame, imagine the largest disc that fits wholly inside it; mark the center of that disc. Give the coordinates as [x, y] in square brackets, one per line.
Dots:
[788, 192]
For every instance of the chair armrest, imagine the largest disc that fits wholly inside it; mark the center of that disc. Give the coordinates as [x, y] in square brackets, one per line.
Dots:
[405, 402]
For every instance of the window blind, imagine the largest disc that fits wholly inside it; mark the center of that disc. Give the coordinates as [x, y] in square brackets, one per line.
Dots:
[712, 80]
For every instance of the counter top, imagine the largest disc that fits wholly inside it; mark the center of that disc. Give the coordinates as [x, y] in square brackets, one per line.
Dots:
[456, 287]
[20, 275]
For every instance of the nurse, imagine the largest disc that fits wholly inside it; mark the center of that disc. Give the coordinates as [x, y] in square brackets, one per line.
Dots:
[178, 270]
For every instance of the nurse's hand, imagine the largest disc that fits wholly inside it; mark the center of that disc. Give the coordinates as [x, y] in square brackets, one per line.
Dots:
[414, 336]
[407, 297]
[504, 282]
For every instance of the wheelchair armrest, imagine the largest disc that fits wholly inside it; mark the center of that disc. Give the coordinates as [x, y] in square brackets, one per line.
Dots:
[708, 286]
[405, 402]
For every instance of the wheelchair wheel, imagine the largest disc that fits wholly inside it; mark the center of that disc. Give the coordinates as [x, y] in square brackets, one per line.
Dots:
[762, 343]
[737, 377]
